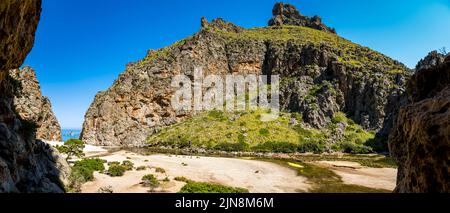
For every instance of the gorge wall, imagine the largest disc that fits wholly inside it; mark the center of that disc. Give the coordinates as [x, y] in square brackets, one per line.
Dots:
[321, 74]
[420, 139]
[26, 164]
[32, 106]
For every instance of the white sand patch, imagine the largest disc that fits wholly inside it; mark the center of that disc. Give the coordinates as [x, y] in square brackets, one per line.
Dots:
[256, 176]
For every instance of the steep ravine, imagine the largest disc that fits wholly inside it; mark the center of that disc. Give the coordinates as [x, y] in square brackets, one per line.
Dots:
[321, 73]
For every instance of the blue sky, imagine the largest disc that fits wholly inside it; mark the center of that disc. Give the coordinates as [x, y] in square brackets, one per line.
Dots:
[83, 45]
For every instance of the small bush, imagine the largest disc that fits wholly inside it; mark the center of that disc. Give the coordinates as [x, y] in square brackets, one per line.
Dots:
[353, 148]
[82, 174]
[166, 179]
[150, 181]
[160, 170]
[232, 147]
[93, 164]
[140, 168]
[275, 146]
[128, 165]
[198, 187]
[181, 179]
[116, 170]
[264, 132]
[217, 115]
[113, 163]
[311, 146]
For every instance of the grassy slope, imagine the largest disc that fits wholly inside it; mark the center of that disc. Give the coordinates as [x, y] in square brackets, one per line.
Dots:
[245, 130]
[347, 51]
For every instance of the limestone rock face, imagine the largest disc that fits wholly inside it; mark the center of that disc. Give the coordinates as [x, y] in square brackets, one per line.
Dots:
[318, 79]
[32, 106]
[17, 27]
[26, 165]
[431, 60]
[420, 139]
[286, 14]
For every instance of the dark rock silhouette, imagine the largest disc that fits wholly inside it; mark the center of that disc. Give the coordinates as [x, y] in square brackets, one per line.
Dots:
[26, 164]
[420, 139]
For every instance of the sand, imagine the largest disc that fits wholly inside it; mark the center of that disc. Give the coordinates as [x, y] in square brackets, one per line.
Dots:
[354, 173]
[256, 176]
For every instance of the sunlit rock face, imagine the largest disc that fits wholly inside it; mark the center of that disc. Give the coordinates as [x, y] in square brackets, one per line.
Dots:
[321, 74]
[32, 106]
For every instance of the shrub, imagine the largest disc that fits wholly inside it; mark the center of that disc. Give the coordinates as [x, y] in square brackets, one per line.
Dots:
[116, 170]
[353, 148]
[181, 179]
[128, 165]
[150, 181]
[311, 146]
[231, 147]
[160, 170]
[275, 146]
[217, 115]
[198, 187]
[264, 132]
[339, 117]
[140, 168]
[113, 163]
[93, 164]
[82, 174]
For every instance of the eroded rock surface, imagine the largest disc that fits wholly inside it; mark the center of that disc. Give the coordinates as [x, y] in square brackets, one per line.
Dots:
[32, 106]
[420, 140]
[321, 74]
[26, 165]
[286, 14]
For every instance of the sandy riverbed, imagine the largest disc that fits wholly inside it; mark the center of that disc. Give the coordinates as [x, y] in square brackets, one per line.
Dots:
[256, 176]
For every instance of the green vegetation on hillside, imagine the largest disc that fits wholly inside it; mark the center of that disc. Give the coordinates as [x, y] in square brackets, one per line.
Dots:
[244, 131]
[347, 51]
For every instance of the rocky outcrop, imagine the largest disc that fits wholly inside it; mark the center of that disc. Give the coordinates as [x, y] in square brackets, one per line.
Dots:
[320, 72]
[433, 59]
[26, 165]
[286, 14]
[420, 140]
[33, 107]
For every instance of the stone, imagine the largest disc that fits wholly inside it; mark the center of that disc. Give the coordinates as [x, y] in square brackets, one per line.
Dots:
[26, 164]
[32, 106]
[287, 14]
[434, 58]
[420, 139]
[314, 83]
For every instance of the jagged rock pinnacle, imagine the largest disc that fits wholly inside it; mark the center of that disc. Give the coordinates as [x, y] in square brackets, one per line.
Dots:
[286, 14]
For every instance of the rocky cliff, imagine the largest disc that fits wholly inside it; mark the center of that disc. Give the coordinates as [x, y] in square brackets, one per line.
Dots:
[420, 139]
[26, 165]
[321, 73]
[33, 107]
[286, 14]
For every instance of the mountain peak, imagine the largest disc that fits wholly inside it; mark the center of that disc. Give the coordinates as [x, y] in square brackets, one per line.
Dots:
[287, 14]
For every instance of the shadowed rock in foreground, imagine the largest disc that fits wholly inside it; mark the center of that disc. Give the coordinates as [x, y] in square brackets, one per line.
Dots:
[420, 139]
[26, 165]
